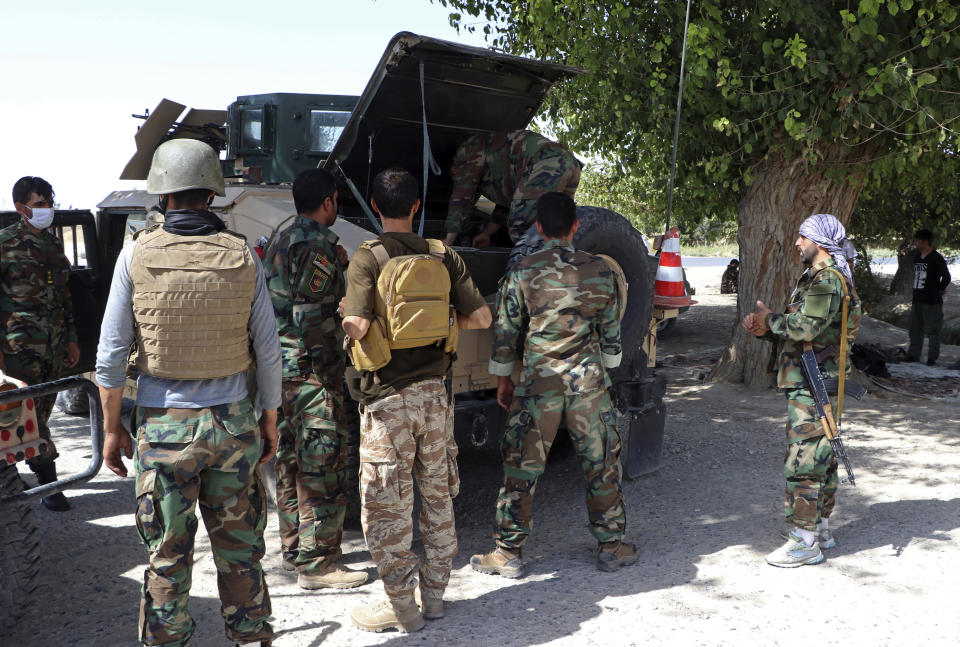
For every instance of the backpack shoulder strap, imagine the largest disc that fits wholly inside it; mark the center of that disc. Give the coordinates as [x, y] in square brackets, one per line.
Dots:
[379, 252]
[437, 248]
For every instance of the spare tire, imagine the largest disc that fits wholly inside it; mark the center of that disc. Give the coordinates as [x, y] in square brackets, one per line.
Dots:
[602, 231]
[19, 551]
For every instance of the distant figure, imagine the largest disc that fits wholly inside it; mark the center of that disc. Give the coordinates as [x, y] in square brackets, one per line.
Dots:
[728, 283]
[930, 280]
[512, 169]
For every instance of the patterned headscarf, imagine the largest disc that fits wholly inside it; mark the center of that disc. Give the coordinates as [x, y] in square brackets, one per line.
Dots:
[827, 232]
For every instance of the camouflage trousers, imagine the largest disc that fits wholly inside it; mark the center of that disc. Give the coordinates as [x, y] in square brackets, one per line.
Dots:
[809, 465]
[548, 172]
[34, 368]
[531, 429]
[207, 456]
[312, 472]
[407, 437]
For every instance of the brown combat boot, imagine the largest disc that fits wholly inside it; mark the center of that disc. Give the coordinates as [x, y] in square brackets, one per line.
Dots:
[335, 576]
[431, 604]
[499, 561]
[402, 614]
[614, 555]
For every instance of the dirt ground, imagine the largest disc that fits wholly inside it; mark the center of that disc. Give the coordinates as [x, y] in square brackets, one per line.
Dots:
[703, 523]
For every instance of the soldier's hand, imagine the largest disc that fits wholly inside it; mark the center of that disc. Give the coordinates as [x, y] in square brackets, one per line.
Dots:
[481, 240]
[341, 254]
[450, 238]
[505, 392]
[756, 322]
[117, 440]
[269, 434]
[72, 355]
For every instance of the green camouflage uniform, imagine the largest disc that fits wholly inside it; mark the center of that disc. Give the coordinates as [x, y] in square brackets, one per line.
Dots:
[814, 315]
[512, 169]
[305, 280]
[36, 316]
[565, 303]
[207, 456]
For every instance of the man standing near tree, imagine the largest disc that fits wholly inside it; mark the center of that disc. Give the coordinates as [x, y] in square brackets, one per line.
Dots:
[930, 280]
[813, 319]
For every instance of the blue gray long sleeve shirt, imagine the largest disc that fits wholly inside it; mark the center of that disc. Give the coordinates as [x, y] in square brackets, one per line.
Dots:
[119, 330]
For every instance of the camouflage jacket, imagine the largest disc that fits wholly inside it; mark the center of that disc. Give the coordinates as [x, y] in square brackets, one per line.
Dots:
[306, 283]
[36, 312]
[728, 282]
[564, 303]
[493, 165]
[814, 315]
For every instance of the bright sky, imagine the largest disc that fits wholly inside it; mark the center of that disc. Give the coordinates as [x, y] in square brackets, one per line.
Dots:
[73, 72]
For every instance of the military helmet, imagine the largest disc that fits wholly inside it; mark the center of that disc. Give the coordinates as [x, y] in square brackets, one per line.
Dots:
[183, 164]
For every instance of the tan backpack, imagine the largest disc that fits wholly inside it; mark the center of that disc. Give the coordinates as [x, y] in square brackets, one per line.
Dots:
[412, 306]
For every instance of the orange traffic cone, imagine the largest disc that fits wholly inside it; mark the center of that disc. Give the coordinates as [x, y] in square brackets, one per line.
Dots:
[669, 290]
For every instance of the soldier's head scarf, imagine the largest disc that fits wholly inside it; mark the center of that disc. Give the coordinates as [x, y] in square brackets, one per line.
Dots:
[827, 232]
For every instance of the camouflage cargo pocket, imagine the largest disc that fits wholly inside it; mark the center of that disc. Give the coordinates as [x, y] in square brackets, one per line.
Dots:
[453, 470]
[379, 480]
[611, 436]
[149, 520]
[167, 433]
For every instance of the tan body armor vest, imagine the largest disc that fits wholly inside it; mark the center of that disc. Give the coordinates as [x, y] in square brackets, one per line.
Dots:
[191, 302]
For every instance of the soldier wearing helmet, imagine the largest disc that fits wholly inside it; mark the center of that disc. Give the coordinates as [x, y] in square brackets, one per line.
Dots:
[191, 299]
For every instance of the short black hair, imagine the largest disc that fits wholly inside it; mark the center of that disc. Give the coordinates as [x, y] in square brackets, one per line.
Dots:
[924, 234]
[395, 191]
[30, 184]
[556, 213]
[734, 261]
[193, 198]
[311, 188]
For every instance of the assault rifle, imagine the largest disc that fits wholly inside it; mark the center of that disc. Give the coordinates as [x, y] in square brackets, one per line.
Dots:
[811, 371]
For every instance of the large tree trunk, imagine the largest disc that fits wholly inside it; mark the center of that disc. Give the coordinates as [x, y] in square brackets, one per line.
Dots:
[902, 282]
[783, 194]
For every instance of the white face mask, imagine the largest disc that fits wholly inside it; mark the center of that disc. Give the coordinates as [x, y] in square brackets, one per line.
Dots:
[42, 218]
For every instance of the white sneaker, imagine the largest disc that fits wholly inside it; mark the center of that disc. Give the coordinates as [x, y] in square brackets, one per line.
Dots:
[824, 536]
[795, 553]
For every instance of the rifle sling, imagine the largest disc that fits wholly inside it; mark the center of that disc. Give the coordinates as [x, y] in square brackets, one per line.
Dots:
[841, 379]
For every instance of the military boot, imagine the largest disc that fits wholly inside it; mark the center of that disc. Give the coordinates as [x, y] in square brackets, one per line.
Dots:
[288, 560]
[431, 604]
[499, 561]
[334, 576]
[56, 501]
[614, 555]
[402, 614]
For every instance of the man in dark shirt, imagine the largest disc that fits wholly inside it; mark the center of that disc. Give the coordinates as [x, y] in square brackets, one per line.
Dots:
[930, 280]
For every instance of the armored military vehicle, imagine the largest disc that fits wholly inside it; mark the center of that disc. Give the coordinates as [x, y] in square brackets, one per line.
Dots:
[424, 98]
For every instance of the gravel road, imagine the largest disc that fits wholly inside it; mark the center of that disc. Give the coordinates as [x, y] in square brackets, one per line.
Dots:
[703, 523]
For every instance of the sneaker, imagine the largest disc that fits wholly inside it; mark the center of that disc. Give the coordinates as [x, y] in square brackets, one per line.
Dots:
[336, 576]
[931, 362]
[403, 615]
[614, 555]
[795, 553]
[431, 606]
[499, 561]
[288, 560]
[824, 537]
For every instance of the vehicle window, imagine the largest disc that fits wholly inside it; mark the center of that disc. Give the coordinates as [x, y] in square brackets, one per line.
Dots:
[251, 129]
[325, 129]
[73, 245]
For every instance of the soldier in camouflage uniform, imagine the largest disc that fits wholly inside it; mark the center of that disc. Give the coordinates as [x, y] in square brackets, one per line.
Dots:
[406, 426]
[564, 304]
[512, 169]
[814, 315]
[37, 333]
[304, 268]
[199, 441]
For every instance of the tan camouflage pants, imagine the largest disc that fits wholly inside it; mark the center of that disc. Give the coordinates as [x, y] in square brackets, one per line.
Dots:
[407, 437]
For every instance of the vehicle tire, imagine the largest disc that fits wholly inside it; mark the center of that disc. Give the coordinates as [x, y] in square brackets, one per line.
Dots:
[665, 328]
[602, 231]
[73, 402]
[19, 552]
